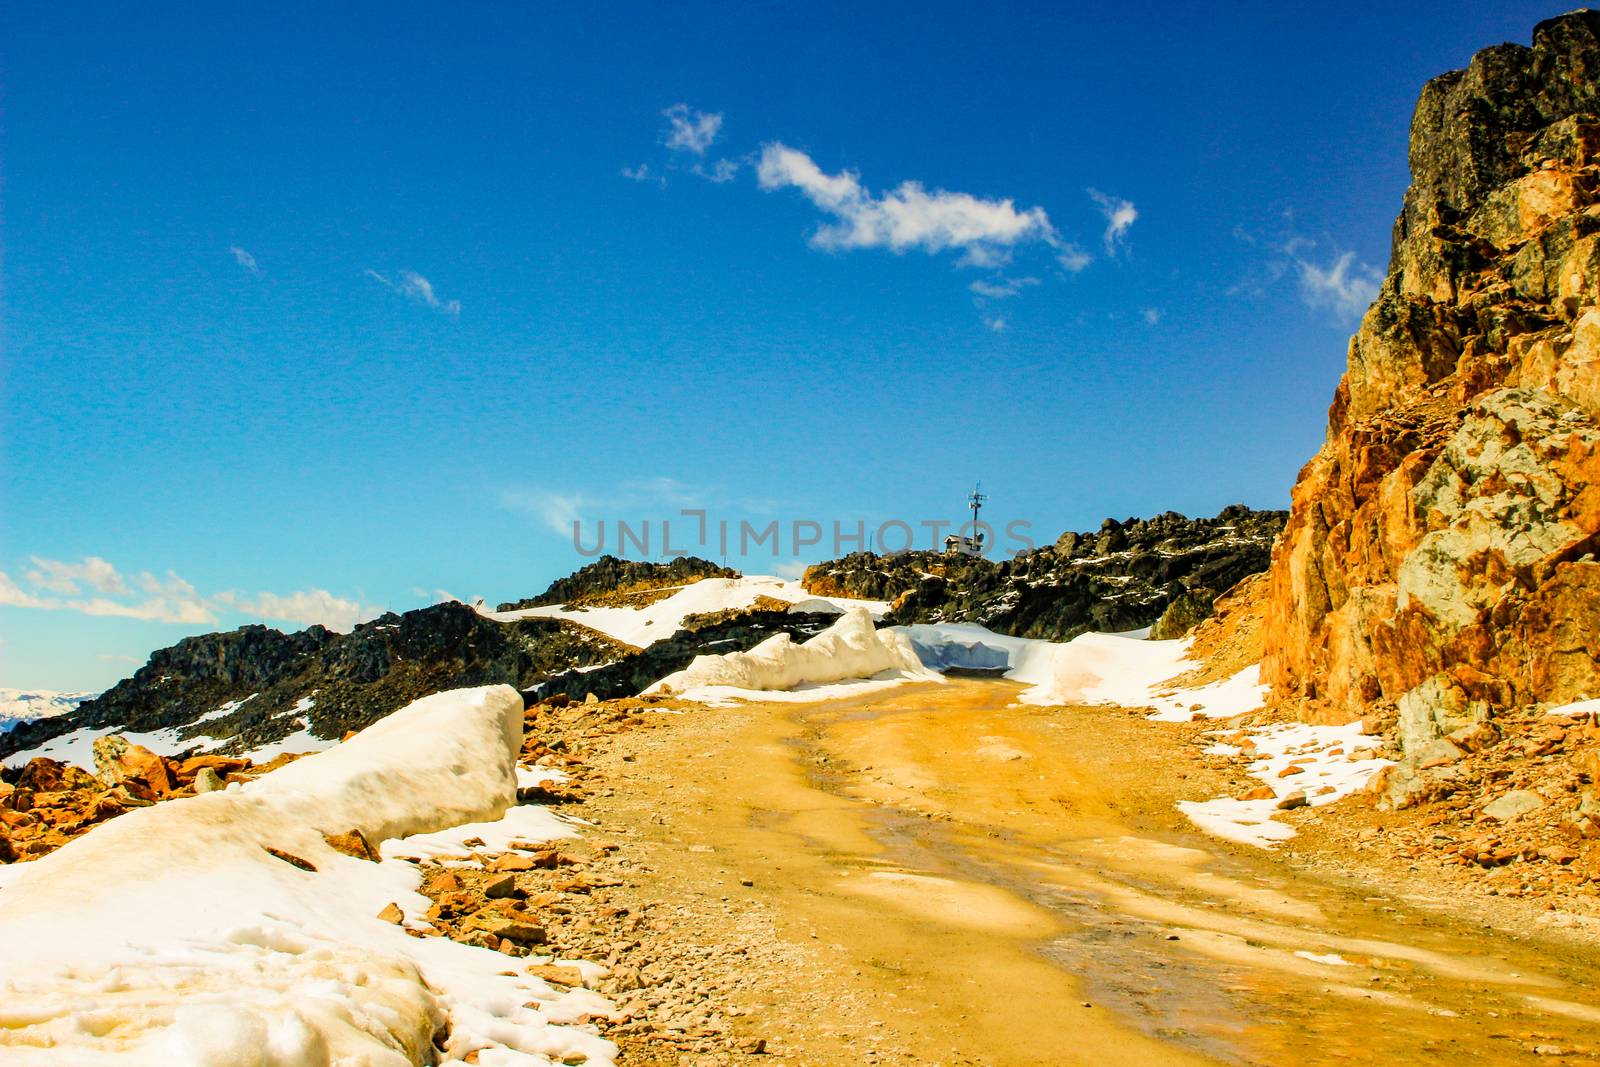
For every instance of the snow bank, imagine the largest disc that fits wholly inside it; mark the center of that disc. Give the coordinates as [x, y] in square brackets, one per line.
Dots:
[849, 649]
[1334, 762]
[1131, 672]
[642, 626]
[172, 936]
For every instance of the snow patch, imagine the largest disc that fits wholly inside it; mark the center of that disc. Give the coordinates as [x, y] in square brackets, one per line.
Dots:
[172, 936]
[1331, 767]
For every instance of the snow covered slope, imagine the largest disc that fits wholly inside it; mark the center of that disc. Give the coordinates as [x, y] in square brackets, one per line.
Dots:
[172, 936]
[641, 626]
[1123, 669]
[26, 705]
[849, 649]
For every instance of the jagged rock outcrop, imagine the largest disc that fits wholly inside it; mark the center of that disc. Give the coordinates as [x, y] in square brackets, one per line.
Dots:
[608, 578]
[704, 635]
[1122, 577]
[331, 683]
[1439, 556]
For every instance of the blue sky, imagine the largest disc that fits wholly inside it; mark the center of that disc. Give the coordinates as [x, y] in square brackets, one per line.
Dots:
[312, 312]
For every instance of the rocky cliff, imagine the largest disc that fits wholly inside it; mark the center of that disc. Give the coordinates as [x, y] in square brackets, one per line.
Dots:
[1439, 555]
[1165, 571]
[280, 683]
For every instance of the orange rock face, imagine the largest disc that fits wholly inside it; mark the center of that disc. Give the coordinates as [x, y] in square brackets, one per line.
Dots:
[1439, 554]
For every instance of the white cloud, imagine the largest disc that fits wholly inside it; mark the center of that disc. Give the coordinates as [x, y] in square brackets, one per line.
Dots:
[998, 325]
[1346, 286]
[1072, 258]
[1001, 288]
[59, 576]
[689, 130]
[906, 217]
[245, 260]
[643, 173]
[1120, 216]
[12, 595]
[1151, 315]
[417, 288]
[308, 607]
[169, 599]
[721, 170]
[793, 569]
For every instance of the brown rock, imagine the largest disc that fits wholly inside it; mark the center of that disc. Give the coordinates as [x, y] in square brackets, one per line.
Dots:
[352, 843]
[291, 859]
[391, 913]
[221, 765]
[1260, 792]
[1293, 768]
[116, 760]
[45, 775]
[498, 888]
[551, 972]
[504, 922]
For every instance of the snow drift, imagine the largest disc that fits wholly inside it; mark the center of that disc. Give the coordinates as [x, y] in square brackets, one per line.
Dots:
[850, 648]
[173, 936]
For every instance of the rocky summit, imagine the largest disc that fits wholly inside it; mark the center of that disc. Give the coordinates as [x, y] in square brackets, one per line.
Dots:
[618, 582]
[1439, 559]
[1164, 572]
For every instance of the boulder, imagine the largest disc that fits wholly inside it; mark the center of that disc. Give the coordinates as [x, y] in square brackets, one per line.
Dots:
[116, 760]
[1512, 804]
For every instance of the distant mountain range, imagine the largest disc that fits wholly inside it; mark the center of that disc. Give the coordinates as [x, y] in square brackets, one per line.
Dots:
[26, 705]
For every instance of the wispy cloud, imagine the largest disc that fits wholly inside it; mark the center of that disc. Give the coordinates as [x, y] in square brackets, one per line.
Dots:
[92, 586]
[906, 217]
[1337, 282]
[1120, 216]
[65, 578]
[721, 170]
[245, 260]
[997, 324]
[655, 497]
[1150, 315]
[1072, 258]
[1002, 288]
[689, 130]
[1345, 286]
[643, 173]
[56, 585]
[415, 287]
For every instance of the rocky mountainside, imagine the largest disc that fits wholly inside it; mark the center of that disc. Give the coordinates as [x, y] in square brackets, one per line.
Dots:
[608, 579]
[278, 683]
[1439, 559]
[1165, 571]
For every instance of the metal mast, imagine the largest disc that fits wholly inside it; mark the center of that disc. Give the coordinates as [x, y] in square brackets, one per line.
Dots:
[975, 501]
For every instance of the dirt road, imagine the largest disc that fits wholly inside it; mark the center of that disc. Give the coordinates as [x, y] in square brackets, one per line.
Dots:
[931, 875]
